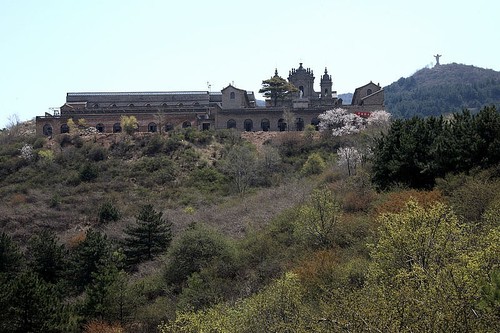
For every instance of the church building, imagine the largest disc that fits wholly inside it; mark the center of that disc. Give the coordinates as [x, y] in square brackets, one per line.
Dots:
[230, 108]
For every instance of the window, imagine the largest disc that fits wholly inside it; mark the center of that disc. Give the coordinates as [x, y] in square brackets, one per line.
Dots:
[152, 128]
[64, 128]
[169, 127]
[47, 130]
[164, 105]
[148, 105]
[299, 124]
[113, 105]
[131, 105]
[180, 105]
[248, 124]
[99, 128]
[95, 106]
[231, 95]
[265, 125]
[281, 125]
[368, 92]
[117, 128]
[315, 123]
[231, 123]
[186, 124]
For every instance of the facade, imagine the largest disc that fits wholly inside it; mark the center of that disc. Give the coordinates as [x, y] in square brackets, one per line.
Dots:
[230, 108]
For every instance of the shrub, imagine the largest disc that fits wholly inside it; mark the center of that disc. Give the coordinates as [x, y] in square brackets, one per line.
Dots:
[97, 326]
[88, 172]
[108, 212]
[395, 202]
[154, 145]
[97, 153]
[314, 165]
[197, 248]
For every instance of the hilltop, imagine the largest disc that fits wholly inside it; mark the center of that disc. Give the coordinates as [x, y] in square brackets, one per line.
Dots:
[443, 89]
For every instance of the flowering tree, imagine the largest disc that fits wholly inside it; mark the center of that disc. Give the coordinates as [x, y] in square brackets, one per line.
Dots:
[27, 152]
[379, 118]
[350, 157]
[340, 122]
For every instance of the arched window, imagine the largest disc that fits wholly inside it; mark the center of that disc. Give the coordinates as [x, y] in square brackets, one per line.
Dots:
[196, 104]
[169, 127]
[99, 128]
[180, 105]
[231, 123]
[148, 105]
[152, 128]
[265, 125]
[113, 105]
[248, 124]
[299, 124]
[186, 124]
[231, 95]
[95, 106]
[281, 125]
[368, 92]
[131, 105]
[164, 105]
[117, 128]
[315, 123]
[47, 130]
[64, 128]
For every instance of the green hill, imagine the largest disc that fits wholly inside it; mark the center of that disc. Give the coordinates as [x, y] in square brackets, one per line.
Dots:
[443, 89]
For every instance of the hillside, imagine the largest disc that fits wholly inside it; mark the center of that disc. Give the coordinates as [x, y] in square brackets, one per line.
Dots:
[443, 89]
[222, 231]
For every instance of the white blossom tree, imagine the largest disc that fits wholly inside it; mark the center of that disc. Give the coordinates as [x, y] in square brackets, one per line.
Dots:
[349, 157]
[27, 152]
[340, 122]
[379, 118]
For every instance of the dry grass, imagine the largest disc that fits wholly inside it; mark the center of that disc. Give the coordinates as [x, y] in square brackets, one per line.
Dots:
[238, 214]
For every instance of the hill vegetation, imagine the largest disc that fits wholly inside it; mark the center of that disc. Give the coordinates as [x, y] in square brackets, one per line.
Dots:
[386, 228]
[443, 89]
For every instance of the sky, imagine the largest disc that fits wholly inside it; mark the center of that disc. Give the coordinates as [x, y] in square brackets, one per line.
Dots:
[51, 47]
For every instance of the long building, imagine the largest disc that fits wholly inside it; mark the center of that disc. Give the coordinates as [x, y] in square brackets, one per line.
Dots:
[230, 108]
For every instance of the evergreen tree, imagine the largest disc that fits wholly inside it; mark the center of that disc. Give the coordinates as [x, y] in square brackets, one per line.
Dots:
[10, 256]
[29, 304]
[149, 237]
[106, 297]
[93, 252]
[277, 88]
[46, 257]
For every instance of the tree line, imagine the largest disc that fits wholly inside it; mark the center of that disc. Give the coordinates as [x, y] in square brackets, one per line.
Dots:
[417, 151]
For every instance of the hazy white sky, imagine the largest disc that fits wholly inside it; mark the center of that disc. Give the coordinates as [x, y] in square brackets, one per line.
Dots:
[52, 47]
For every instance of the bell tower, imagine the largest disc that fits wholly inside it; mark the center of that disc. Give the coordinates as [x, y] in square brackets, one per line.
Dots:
[303, 79]
[326, 85]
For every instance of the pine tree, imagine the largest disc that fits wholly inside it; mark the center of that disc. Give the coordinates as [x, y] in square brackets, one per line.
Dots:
[93, 252]
[46, 257]
[276, 88]
[10, 256]
[150, 236]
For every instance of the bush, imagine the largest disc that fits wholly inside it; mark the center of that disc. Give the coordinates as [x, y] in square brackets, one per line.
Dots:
[97, 153]
[108, 212]
[314, 165]
[88, 172]
[154, 145]
[197, 248]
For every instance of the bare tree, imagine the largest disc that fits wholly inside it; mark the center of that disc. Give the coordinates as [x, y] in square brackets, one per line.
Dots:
[240, 166]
